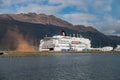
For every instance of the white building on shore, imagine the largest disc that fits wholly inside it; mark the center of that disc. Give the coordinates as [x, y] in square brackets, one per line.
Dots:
[117, 48]
[106, 48]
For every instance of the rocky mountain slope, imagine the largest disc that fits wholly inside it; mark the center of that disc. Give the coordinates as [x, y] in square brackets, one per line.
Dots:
[32, 27]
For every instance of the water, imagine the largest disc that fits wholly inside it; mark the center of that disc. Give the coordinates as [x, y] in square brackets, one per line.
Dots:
[61, 67]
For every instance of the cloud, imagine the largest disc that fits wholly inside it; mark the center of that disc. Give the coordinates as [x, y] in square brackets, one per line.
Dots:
[21, 2]
[80, 18]
[1, 2]
[105, 24]
[10, 2]
[99, 5]
[5, 2]
[39, 9]
[110, 26]
[102, 5]
[5, 11]
[79, 4]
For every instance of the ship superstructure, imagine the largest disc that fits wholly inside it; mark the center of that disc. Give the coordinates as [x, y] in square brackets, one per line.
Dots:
[64, 43]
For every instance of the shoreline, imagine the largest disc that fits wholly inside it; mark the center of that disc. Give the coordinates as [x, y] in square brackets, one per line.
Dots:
[51, 53]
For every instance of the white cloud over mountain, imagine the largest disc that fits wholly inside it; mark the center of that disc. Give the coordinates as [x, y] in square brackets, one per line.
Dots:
[39, 9]
[103, 5]
[80, 18]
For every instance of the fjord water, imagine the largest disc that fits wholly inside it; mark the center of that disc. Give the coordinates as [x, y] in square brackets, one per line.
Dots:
[62, 67]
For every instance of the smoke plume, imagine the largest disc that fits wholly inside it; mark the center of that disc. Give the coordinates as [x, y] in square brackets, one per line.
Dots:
[14, 38]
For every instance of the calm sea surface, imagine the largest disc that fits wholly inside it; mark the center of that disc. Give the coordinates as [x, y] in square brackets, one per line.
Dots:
[61, 67]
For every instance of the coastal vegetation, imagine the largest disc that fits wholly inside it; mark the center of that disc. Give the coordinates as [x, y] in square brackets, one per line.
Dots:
[25, 54]
[31, 54]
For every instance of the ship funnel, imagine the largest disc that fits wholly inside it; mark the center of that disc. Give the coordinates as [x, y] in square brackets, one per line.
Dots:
[63, 33]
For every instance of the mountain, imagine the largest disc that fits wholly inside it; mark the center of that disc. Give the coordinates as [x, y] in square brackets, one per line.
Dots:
[37, 18]
[30, 28]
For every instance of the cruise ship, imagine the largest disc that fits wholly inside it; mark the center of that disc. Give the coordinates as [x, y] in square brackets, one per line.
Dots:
[64, 43]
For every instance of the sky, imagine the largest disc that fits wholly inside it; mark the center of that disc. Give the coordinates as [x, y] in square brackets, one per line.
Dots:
[104, 15]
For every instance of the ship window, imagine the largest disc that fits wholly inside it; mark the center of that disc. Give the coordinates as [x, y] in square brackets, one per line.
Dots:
[75, 42]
